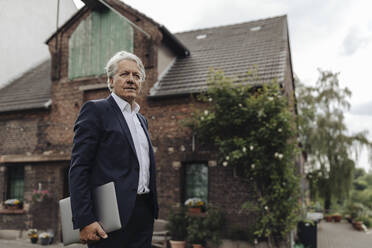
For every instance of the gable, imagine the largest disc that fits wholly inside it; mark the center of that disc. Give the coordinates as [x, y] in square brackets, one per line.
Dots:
[95, 41]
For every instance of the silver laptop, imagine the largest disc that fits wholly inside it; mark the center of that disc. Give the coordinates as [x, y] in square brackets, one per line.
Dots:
[106, 210]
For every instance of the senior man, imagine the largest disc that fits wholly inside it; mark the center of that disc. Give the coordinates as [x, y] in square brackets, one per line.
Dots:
[111, 143]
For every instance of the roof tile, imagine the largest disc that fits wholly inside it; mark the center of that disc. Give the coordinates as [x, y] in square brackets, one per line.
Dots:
[234, 49]
[32, 90]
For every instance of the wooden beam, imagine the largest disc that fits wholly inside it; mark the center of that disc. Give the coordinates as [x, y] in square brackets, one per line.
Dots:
[32, 158]
[95, 5]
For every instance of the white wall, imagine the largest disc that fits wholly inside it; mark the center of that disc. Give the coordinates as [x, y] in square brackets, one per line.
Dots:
[165, 57]
[25, 25]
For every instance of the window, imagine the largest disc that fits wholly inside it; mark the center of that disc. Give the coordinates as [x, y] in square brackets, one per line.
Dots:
[196, 181]
[201, 36]
[15, 182]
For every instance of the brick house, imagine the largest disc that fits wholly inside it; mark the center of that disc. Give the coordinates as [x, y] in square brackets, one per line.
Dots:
[38, 110]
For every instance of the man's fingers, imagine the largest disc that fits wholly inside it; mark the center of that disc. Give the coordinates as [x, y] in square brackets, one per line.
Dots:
[94, 236]
[101, 232]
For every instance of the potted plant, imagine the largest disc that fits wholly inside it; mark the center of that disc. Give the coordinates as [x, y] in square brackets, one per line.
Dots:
[348, 218]
[13, 204]
[44, 238]
[214, 221]
[40, 195]
[197, 233]
[32, 234]
[203, 228]
[328, 218]
[176, 226]
[336, 217]
[195, 205]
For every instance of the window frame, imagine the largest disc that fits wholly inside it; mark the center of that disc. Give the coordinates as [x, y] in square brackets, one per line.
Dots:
[11, 175]
[183, 180]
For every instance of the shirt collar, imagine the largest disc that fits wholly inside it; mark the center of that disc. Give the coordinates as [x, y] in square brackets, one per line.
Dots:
[124, 105]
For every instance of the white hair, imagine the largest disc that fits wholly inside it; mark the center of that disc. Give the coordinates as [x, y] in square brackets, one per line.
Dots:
[112, 65]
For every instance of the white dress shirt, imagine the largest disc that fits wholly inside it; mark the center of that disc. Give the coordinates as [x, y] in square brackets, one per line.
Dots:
[139, 139]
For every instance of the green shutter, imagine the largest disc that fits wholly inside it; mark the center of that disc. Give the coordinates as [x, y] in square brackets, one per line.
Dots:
[95, 41]
[196, 181]
[16, 182]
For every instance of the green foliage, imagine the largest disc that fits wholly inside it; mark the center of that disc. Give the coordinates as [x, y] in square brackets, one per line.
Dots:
[201, 229]
[240, 233]
[196, 231]
[253, 131]
[366, 221]
[325, 138]
[177, 223]
[359, 172]
[360, 185]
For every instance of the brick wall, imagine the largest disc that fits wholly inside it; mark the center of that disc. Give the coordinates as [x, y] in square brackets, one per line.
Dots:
[22, 132]
[41, 215]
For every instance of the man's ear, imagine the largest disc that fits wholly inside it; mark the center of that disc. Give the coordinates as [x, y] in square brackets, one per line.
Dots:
[111, 82]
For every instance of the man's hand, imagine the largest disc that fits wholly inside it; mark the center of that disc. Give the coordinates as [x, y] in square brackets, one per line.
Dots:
[92, 232]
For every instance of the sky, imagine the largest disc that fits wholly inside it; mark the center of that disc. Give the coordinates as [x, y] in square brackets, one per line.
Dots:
[332, 35]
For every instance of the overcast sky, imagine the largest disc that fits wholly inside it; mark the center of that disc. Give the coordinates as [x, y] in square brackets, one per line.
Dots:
[328, 34]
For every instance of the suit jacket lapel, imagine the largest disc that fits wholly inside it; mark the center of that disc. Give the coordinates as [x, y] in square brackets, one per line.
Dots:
[123, 123]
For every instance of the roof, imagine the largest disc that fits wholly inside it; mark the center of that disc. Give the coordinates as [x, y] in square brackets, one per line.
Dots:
[172, 40]
[32, 90]
[235, 49]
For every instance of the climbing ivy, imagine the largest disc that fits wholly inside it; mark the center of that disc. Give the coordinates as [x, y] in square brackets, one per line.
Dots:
[253, 130]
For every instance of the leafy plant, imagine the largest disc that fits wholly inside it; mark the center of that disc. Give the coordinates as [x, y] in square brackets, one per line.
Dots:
[214, 222]
[40, 195]
[177, 224]
[196, 230]
[253, 130]
[329, 147]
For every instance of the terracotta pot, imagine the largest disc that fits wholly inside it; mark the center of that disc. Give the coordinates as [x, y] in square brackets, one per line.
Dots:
[197, 246]
[177, 244]
[195, 210]
[358, 225]
[13, 207]
[337, 218]
[328, 218]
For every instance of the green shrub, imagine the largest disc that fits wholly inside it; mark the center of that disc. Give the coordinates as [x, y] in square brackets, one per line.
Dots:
[360, 185]
[177, 223]
[253, 132]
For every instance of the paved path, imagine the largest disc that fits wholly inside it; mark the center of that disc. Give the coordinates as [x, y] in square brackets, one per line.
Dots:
[342, 235]
[330, 235]
[25, 243]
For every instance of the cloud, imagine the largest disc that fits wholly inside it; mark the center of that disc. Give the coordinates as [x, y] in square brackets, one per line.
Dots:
[354, 40]
[362, 109]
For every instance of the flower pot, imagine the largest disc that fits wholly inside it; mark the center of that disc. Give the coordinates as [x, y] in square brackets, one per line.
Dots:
[358, 225]
[328, 218]
[177, 244]
[337, 218]
[34, 240]
[12, 207]
[44, 241]
[197, 246]
[194, 210]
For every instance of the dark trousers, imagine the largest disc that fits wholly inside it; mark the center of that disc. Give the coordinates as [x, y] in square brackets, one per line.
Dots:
[138, 232]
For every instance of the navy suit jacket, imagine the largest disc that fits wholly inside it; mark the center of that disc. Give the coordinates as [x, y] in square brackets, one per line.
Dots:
[103, 151]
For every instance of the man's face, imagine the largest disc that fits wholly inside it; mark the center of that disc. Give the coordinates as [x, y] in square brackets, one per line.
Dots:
[126, 81]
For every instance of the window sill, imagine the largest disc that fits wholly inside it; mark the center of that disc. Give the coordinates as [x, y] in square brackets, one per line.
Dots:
[12, 211]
